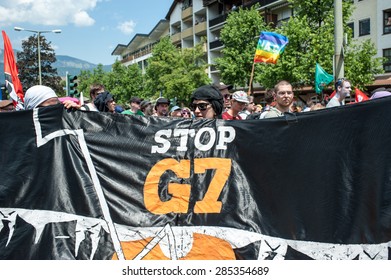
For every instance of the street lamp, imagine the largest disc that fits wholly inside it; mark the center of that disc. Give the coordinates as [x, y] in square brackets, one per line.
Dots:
[39, 45]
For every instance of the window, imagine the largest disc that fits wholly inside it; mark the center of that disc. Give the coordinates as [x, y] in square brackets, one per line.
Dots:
[351, 26]
[387, 21]
[364, 27]
[387, 63]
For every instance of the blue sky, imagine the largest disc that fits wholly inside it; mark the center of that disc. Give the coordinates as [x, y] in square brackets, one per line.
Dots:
[91, 29]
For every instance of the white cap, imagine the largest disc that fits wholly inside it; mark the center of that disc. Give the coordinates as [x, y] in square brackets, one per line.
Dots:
[240, 96]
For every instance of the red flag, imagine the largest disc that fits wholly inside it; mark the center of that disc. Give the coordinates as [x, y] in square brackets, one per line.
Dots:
[360, 96]
[12, 82]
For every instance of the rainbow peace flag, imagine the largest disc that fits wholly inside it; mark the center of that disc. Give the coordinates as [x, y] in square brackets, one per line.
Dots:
[269, 48]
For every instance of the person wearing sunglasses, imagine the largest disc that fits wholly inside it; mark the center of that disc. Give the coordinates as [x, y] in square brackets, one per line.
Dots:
[238, 103]
[283, 95]
[186, 113]
[224, 90]
[342, 90]
[207, 102]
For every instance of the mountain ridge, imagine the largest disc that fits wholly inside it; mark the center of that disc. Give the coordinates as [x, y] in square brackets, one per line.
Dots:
[63, 64]
[74, 65]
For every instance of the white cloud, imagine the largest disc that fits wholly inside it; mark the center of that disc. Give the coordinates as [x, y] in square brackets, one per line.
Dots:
[83, 19]
[43, 12]
[127, 27]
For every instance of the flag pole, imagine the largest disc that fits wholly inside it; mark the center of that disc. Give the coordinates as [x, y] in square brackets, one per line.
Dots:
[251, 79]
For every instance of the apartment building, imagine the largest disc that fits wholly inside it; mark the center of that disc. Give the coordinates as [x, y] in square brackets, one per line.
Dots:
[139, 49]
[189, 21]
[371, 20]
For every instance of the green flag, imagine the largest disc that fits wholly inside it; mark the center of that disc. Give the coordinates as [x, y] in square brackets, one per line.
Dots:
[322, 78]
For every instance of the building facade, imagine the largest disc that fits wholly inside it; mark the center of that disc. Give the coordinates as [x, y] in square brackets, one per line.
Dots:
[189, 22]
[139, 49]
[371, 20]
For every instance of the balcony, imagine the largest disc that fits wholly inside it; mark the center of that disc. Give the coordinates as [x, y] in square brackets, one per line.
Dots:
[213, 69]
[208, 2]
[187, 13]
[200, 28]
[127, 59]
[187, 33]
[265, 2]
[176, 37]
[215, 44]
[218, 20]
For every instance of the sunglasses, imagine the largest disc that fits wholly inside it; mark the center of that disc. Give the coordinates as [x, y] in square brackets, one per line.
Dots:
[200, 106]
[185, 113]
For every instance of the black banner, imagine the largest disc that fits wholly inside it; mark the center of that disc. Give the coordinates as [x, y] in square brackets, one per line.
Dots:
[88, 185]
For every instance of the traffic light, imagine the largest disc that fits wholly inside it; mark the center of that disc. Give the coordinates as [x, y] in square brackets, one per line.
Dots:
[71, 86]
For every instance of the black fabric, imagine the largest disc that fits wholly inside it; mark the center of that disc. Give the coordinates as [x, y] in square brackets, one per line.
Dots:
[253, 116]
[101, 100]
[316, 185]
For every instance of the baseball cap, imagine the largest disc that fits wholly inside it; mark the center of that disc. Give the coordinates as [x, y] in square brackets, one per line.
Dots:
[240, 96]
[175, 108]
[162, 100]
[144, 103]
[222, 86]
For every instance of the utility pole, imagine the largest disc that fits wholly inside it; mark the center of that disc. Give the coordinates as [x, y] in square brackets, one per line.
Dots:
[338, 41]
[39, 46]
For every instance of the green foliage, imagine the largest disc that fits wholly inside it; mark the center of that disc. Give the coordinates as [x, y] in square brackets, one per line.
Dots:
[174, 72]
[27, 62]
[171, 71]
[311, 40]
[365, 66]
[124, 82]
[240, 37]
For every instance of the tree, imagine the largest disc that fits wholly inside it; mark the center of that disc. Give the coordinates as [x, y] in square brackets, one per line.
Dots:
[125, 82]
[175, 73]
[366, 67]
[311, 40]
[29, 69]
[86, 78]
[240, 37]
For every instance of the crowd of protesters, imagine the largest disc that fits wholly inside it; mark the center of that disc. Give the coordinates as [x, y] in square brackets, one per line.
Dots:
[216, 101]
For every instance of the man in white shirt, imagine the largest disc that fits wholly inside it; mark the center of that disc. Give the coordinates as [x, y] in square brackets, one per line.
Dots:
[343, 89]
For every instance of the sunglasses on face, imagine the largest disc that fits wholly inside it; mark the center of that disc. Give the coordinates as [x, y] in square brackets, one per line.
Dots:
[185, 113]
[200, 106]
